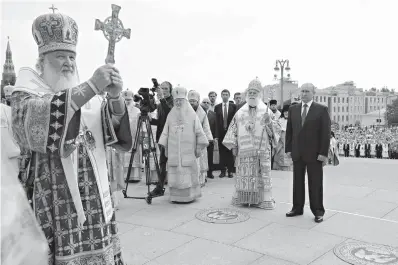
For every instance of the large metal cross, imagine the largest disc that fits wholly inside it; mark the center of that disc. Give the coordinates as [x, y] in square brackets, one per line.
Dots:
[113, 31]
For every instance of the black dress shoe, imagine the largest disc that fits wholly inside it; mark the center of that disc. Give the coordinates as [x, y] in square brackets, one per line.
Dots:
[210, 176]
[222, 175]
[293, 213]
[318, 219]
[230, 175]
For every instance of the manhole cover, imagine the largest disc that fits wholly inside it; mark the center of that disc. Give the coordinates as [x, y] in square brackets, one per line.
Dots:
[358, 253]
[222, 216]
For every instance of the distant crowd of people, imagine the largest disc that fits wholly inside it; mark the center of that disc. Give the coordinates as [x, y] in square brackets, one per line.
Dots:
[369, 142]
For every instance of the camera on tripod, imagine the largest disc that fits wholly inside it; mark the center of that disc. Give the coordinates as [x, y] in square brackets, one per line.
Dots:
[146, 97]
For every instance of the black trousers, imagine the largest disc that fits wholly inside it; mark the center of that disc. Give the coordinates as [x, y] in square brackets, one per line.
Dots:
[162, 166]
[226, 159]
[315, 186]
[210, 149]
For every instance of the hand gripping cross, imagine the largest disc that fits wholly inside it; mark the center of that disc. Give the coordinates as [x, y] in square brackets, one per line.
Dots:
[113, 31]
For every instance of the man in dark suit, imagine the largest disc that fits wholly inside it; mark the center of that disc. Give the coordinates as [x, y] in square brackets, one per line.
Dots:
[307, 142]
[211, 116]
[225, 111]
[379, 150]
[346, 148]
[367, 149]
[242, 101]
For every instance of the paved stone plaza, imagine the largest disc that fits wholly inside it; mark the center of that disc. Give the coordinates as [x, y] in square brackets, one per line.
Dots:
[361, 201]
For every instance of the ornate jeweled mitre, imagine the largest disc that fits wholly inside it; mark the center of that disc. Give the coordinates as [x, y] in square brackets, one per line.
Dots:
[180, 92]
[255, 85]
[54, 32]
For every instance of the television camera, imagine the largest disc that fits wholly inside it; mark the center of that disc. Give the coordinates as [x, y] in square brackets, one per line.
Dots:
[146, 98]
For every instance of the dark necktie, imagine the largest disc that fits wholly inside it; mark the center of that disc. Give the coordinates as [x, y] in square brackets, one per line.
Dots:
[304, 114]
[225, 116]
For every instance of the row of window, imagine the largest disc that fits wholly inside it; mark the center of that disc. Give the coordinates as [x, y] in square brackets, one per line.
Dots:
[356, 108]
[323, 99]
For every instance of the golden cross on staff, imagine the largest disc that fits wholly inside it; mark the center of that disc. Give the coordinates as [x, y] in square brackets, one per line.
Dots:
[113, 31]
[53, 8]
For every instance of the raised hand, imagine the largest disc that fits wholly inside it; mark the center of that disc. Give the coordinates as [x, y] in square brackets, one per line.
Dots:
[117, 84]
[102, 77]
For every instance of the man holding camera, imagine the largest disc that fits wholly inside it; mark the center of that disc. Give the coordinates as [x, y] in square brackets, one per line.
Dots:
[163, 109]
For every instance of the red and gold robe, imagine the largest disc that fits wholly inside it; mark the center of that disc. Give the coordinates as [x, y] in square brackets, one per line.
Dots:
[63, 165]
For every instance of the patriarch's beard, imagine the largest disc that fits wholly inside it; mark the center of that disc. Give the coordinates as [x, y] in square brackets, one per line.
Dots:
[59, 81]
[253, 102]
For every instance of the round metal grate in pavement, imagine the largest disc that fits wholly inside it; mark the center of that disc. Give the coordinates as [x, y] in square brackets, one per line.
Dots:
[222, 216]
[359, 253]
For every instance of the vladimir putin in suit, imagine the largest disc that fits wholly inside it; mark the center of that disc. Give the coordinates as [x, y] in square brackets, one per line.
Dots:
[307, 142]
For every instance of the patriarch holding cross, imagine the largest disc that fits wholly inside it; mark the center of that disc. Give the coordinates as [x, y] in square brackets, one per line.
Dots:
[63, 141]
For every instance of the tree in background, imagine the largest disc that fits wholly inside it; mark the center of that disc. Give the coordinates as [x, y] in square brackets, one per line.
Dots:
[384, 89]
[391, 114]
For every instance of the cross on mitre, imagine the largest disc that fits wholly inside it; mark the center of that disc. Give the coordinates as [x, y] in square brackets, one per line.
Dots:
[113, 31]
[53, 8]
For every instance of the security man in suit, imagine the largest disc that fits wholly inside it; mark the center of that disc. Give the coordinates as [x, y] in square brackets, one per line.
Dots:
[307, 142]
[225, 111]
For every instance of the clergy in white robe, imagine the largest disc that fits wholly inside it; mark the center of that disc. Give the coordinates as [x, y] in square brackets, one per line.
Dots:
[184, 141]
[281, 160]
[249, 137]
[194, 99]
[22, 241]
[9, 147]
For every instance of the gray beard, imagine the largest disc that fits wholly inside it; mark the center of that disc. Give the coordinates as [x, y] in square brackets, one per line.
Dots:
[58, 81]
[252, 102]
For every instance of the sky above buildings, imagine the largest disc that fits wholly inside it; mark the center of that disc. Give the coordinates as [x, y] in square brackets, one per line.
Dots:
[216, 44]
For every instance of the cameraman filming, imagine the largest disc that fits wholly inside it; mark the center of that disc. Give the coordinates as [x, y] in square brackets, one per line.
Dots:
[163, 109]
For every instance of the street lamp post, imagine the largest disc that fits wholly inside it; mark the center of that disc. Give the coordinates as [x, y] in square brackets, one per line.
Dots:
[284, 65]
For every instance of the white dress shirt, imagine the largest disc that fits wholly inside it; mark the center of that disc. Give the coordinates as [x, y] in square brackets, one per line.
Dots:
[308, 106]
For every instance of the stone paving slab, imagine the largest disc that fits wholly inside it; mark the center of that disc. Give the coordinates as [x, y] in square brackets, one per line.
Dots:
[363, 206]
[143, 244]
[161, 217]
[201, 251]
[328, 259]
[268, 260]
[278, 215]
[223, 233]
[384, 195]
[393, 215]
[362, 229]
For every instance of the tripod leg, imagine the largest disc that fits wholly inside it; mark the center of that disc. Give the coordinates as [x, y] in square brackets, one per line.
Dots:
[153, 150]
[148, 199]
[133, 151]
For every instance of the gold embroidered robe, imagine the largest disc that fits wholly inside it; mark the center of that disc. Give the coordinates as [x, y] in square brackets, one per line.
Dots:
[251, 137]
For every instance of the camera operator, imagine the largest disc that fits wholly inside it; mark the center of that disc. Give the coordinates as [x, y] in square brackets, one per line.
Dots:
[163, 109]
